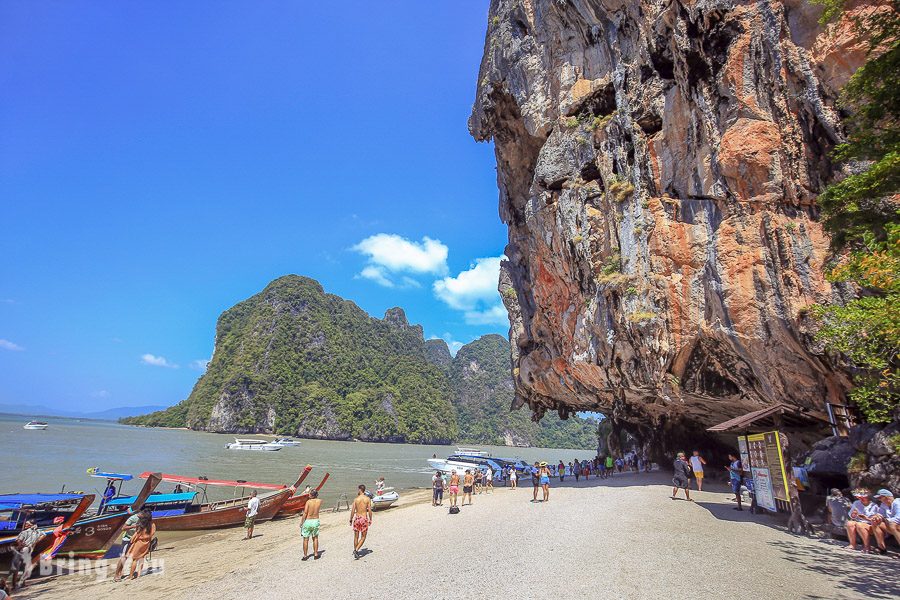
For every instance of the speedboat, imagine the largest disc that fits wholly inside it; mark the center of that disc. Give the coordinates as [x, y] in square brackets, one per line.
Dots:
[287, 442]
[248, 444]
[471, 452]
[39, 425]
[385, 498]
[456, 464]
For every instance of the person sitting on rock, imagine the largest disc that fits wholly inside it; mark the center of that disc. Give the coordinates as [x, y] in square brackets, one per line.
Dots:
[864, 521]
[890, 512]
[837, 509]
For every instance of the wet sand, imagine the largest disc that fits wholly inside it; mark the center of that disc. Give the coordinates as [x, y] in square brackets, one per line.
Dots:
[619, 538]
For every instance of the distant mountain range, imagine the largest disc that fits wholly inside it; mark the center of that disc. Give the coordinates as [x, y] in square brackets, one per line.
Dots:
[110, 414]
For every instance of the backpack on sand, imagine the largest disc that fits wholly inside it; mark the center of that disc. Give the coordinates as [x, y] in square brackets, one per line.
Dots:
[454, 510]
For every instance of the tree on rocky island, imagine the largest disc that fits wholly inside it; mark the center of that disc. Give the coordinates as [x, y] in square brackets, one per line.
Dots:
[861, 213]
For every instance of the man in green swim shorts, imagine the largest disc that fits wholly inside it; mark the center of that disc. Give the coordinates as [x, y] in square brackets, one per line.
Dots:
[309, 525]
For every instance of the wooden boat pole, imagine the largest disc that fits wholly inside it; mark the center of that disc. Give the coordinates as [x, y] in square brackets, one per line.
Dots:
[152, 481]
[303, 475]
[85, 503]
[324, 479]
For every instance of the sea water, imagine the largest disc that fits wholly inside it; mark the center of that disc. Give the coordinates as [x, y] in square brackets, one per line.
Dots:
[58, 458]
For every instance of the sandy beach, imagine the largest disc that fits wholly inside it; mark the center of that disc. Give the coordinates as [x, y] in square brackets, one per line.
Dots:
[619, 538]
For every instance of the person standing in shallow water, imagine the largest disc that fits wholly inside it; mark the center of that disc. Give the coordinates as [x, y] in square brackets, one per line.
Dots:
[360, 519]
[309, 524]
[682, 477]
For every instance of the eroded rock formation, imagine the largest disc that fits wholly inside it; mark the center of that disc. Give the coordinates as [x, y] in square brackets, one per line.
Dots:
[658, 165]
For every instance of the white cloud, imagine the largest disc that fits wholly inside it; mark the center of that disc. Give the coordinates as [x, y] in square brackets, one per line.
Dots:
[8, 345]
[474, 291]
[389, 254]
[376, 274]
[473, 288]
[199, 364]
[100, 394]
[157, 361]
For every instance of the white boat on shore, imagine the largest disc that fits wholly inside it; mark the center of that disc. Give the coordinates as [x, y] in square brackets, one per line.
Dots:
[250, 444]
[36, 425]
[384, 498]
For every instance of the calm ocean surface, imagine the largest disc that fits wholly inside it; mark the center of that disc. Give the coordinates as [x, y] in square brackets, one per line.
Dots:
[44, 461]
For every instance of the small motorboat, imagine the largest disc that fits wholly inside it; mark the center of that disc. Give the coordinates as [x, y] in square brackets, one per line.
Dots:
[384, 498]
[286, 442]
[36, 425]
[248, 444]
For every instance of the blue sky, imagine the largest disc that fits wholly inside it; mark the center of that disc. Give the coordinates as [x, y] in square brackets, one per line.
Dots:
[162, 161]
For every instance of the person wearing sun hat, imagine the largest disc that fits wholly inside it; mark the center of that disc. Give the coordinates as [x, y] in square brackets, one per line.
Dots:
[864, 520]
[890, 507]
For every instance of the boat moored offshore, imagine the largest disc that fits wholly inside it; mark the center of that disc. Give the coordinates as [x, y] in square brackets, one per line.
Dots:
[36, 425]
[249, 444]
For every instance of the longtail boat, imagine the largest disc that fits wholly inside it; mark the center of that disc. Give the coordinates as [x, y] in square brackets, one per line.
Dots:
[222, 513]
[296, 503]
[49, 539]
[40, 509]
[92, 537]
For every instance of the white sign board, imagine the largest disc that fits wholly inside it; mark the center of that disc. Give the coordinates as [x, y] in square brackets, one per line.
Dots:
[762, 485]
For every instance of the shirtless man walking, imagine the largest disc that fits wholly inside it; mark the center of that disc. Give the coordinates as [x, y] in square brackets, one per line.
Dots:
[360, 519]
[309, 524]
[454, 487]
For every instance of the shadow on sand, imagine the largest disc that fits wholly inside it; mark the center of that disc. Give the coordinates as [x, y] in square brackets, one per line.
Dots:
[874, 576]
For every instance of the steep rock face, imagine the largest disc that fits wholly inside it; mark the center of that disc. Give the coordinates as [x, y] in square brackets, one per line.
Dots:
[483, 392]
[438, 353]
[658, 164]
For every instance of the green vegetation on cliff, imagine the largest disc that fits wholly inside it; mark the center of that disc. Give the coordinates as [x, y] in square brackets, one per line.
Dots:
[861, 213]
[295, 360]
[483, 393]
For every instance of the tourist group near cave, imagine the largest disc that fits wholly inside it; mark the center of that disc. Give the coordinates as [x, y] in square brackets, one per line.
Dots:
[869, 517]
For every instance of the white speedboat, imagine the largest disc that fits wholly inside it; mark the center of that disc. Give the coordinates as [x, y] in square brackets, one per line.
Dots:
[449, 466]
[247, 444]
[287, 442]
[385, 498]
[472, 452]
[40, 425]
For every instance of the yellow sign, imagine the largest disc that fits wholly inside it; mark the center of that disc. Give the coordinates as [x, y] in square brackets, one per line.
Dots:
[765, 453]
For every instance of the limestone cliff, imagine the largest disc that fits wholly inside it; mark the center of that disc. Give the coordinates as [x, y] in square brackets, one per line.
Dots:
[482, 394]
[658, 164]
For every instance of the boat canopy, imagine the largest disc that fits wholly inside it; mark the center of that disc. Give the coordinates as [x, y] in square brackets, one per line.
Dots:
[17, 501]
[219, 482]
[115, 476]
[154, 499]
